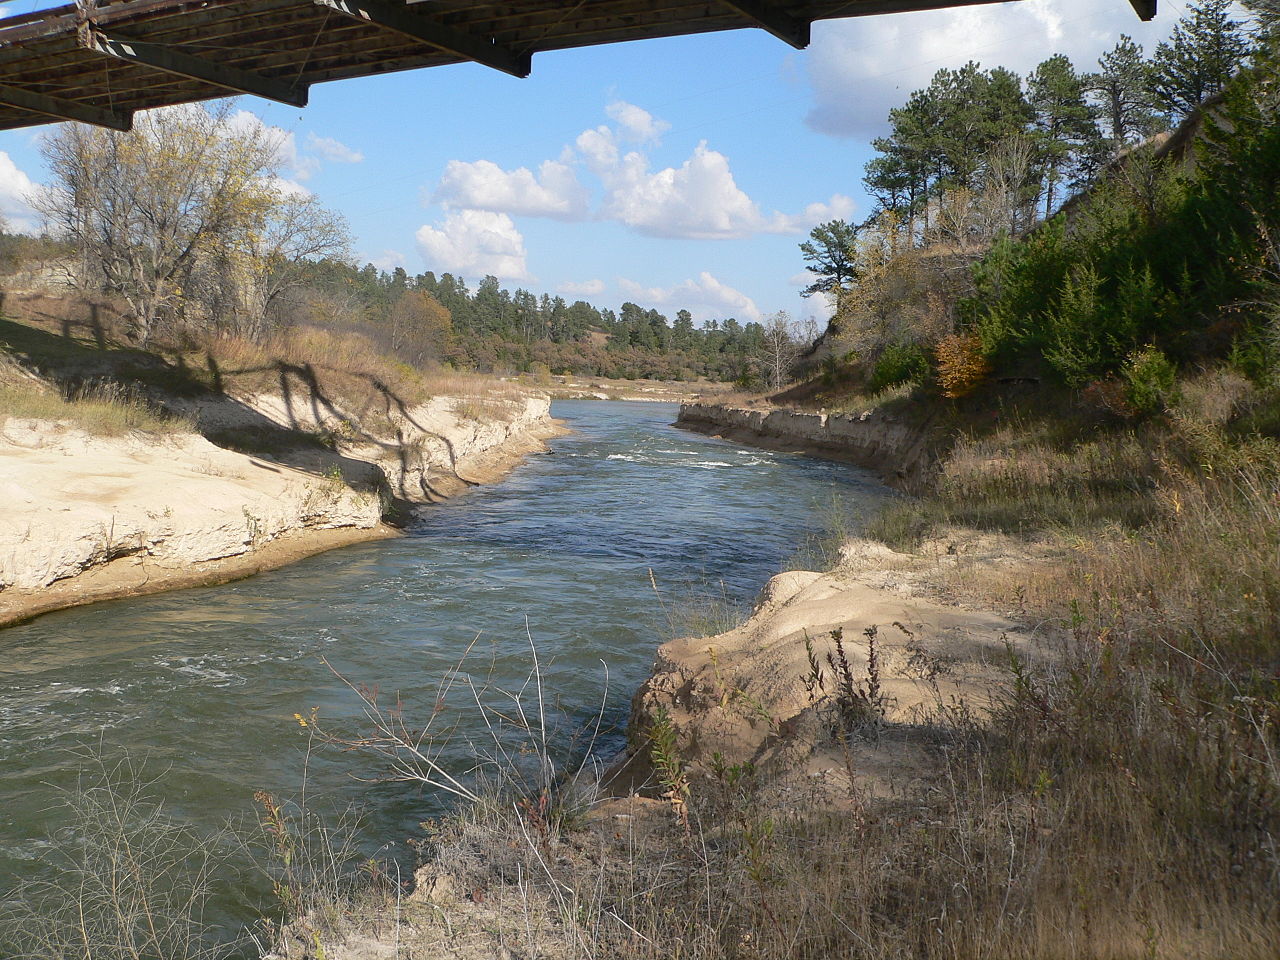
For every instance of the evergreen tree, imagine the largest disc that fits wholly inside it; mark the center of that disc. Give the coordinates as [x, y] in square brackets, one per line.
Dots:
[902, 178]
[1207, 47]
[1266, 15]
[1122, 90]
[1065, 124]
[830, 255]
[978, 109]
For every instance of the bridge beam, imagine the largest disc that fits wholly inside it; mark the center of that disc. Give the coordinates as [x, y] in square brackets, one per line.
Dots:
[768, 17]
[173, 60]
[65, 109]
[1146, 8]
[396, 17]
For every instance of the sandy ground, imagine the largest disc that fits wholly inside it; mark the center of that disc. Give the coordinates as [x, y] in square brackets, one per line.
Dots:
[87, 518]
[767, 692]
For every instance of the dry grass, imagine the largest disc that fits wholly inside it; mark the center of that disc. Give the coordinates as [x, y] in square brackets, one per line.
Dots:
[74, 341]
[107, 411]
[347, 366]
[1122, 801]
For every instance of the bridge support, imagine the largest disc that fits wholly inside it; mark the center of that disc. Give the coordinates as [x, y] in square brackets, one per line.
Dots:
[768, 17]
[65, 109]
[173, 60]
[468, 46]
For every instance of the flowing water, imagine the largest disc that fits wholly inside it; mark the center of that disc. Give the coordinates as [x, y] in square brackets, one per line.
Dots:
[203, 685]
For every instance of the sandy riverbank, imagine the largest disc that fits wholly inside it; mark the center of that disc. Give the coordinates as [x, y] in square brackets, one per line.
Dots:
[94, 518]
[752, 695]
[896, 450]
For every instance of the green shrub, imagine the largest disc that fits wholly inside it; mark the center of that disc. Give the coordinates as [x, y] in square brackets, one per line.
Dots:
[1151, 380]
[900, 363]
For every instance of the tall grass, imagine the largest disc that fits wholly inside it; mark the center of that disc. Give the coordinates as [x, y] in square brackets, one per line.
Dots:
[107, 410]
[1121, 801]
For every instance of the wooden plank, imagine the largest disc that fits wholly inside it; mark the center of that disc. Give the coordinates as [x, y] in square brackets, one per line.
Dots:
[64, 109]
[465, 45]
[871, 8]
[272, 47]
[172, 60]
[774, 19]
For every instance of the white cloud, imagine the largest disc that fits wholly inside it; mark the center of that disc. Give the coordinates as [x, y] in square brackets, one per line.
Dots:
[636, 123]
[333, 150]
[475, 243]
[483, 185]
[388, 260]
[288, 188]
[861, 67]
[700, 199]
[588, 288]
[599, 147]
[839, 207]
[295, 164]
[705, 297]
[15, 192]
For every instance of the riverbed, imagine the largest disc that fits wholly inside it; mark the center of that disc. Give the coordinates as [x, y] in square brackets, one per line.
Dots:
[594, 553]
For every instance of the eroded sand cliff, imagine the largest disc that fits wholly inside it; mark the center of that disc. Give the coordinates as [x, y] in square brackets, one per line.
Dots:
[87, 518]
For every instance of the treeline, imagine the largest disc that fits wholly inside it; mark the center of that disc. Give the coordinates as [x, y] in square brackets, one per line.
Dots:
[1169, 256]
[1039, 138]
[187, 223]
[429, 319]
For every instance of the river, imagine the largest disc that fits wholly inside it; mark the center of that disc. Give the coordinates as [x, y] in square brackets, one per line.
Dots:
[202, 686]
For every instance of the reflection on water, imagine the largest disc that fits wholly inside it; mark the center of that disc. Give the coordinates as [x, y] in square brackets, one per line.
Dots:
[205, 683]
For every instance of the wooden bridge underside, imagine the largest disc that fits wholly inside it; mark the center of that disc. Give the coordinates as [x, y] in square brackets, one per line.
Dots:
[98, 61]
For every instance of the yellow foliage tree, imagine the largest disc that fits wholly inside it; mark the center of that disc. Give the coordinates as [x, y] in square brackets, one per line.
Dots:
[961, 364]
[187, 205]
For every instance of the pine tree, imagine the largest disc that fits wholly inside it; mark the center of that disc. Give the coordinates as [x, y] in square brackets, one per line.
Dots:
[1207, 47]
[1122, 90]
[1266, 16]
[829, 252]
[1065, 124]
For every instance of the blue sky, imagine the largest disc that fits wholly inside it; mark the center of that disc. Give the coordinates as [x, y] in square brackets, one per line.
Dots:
[675, 173]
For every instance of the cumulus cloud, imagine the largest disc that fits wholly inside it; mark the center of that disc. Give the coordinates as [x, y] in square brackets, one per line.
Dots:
[704, 296]
[333, 150]
[483, 185]
[15, 192]
[588, 288]
[295, 164]
[475, 243]
[388, 260]
[289, 189]
[700, 199]
[636, 123]
[859, 68]
[839, 207]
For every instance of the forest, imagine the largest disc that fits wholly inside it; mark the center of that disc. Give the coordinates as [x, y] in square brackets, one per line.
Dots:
[1102, 230]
